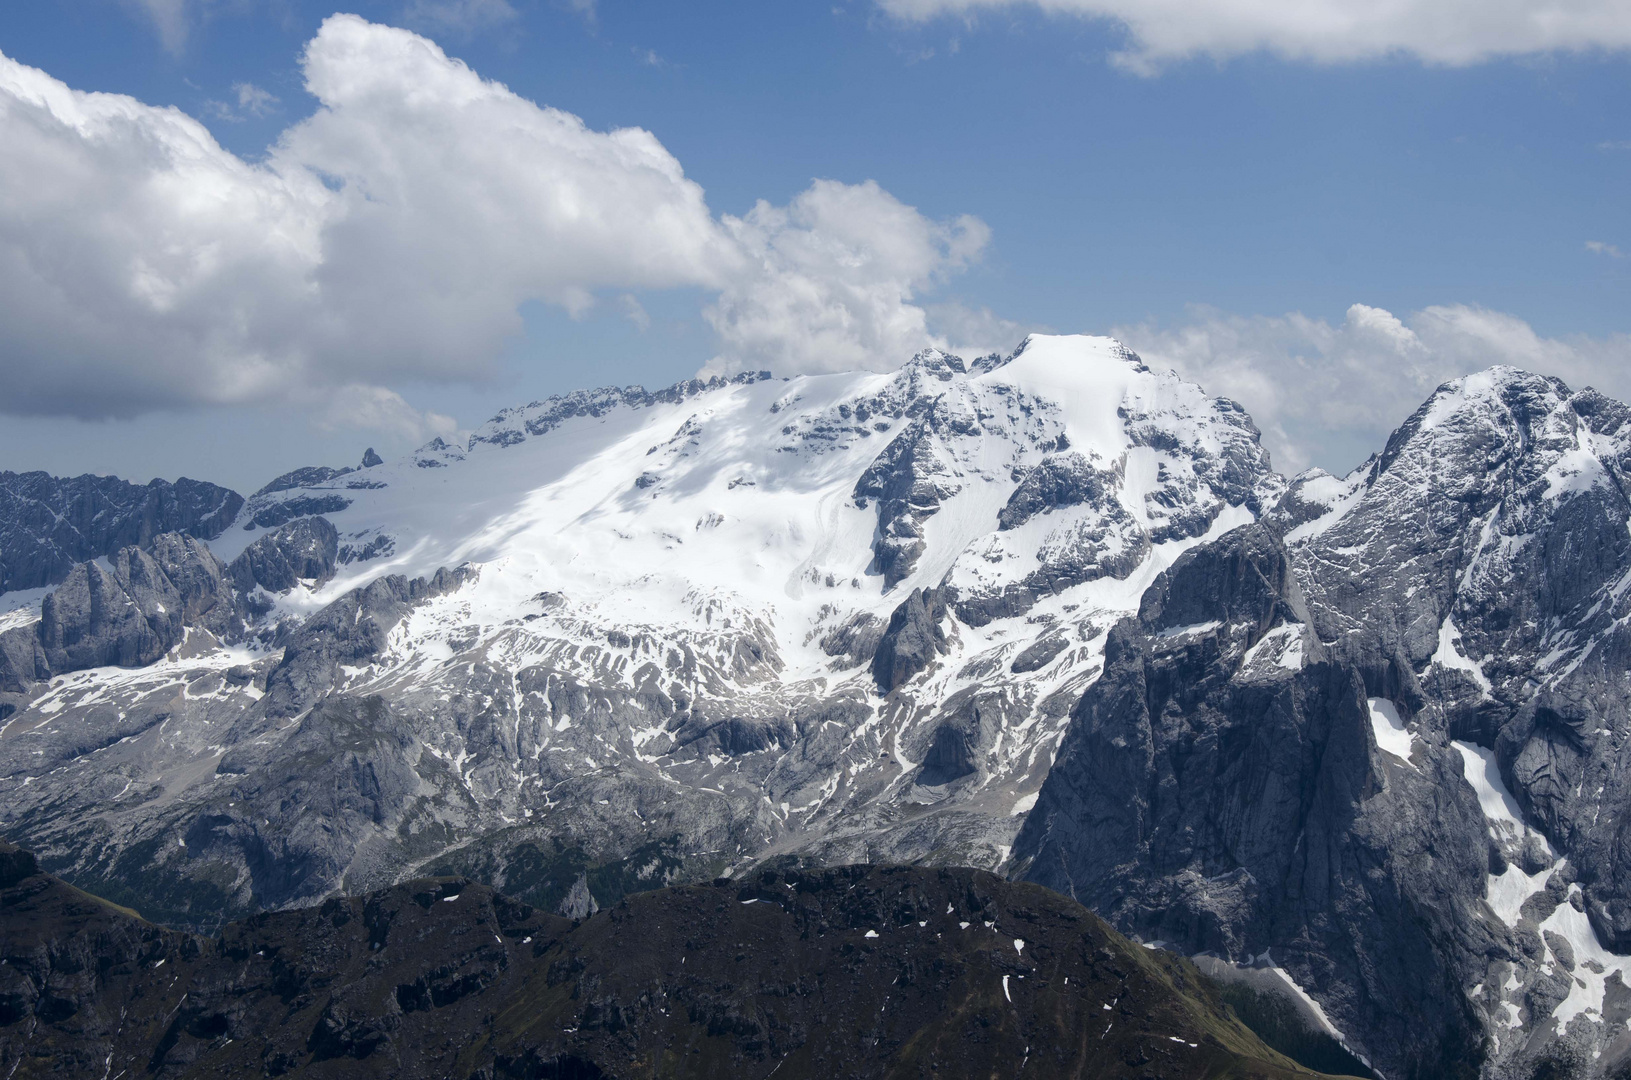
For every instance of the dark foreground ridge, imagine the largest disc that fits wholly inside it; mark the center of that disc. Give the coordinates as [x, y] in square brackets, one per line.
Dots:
[848, 972]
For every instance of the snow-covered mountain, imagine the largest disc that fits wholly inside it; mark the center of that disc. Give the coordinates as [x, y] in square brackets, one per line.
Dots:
[1052, 613]
[1386, 754]
[682, 621]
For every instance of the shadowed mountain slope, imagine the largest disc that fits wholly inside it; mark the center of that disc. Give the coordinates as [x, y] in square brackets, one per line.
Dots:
[853, 971]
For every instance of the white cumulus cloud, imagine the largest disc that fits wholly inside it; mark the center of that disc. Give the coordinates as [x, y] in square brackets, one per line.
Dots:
[832, 277]
[394, 235]
[1453, 32]
[376, 408]
[1329, 395]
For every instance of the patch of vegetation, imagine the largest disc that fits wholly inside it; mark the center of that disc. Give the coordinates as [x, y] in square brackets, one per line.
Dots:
[1275, 1020]
[138, 881]
[541, 872]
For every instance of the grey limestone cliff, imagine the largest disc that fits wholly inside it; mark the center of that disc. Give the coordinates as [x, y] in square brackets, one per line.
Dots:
[1220, 790]
[1386, 750]
[48, 523]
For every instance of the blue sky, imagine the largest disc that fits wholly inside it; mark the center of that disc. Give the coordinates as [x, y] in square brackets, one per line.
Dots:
[1223, 210]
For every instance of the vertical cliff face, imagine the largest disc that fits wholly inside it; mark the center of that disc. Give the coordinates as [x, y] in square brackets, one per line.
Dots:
[47, 524]
[1417, 808]
[1487, 554]
[1221, 789]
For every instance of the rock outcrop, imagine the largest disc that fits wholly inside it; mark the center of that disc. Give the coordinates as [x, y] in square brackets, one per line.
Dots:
[22, 661]
[1475, 574]
[1221, 790]
[1387, 754]
[351, 630]
[1059, 480]
[138, 605]
[913, 638]
[48, 523]
[135, 610]
[305, 549]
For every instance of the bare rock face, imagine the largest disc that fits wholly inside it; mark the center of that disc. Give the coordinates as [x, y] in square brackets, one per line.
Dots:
[1059, 480]
[1243, 578]
[1039, 654]
[579, 902]
[269, 514]
[351, 630]
[22, 661]
[908, 481]
[48, 524]
[1221, 790]
[302, 477]
[952, 753]
[1387, 751]
[293, 811]
[126, 616]
[913, 638]
[304, 549]
[200, 581]
[1474, 573]
[139, 606]
[136, 610]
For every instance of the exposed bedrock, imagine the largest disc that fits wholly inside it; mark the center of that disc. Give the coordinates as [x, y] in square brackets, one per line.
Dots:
[1220, 789]
[136, 609]
[1476, 572]
[351, 630]
[304, 549]
[1059, 480]
[913, 638]
[49, 523]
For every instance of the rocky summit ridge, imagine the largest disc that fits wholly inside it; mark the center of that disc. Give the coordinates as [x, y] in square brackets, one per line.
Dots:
[1355, 740]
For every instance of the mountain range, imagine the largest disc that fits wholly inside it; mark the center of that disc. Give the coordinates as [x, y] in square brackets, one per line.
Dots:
[1052, 615]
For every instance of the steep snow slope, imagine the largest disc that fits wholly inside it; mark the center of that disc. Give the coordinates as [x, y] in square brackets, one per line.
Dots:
[661, 651]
